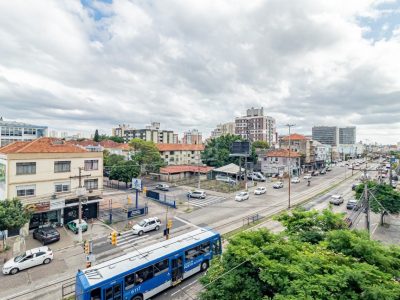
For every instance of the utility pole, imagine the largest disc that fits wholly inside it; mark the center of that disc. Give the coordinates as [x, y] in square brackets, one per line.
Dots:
[80, 193]
[290, 165]
[368, 217]
[198, 169]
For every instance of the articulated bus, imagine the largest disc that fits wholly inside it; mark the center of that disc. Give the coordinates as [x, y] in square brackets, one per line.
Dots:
[144, 273]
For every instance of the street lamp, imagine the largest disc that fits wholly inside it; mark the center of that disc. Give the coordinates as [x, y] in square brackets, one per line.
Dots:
[289, 171]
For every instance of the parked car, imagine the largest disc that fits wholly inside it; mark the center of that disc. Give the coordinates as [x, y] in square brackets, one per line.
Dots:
[314, 173]
[146, 225]
[226, 179]
[31, 258]
[328, 169]
[46, 235]
[394, 183]
[242, 196]
[352, 204]
[260, 190]
[256, 176]
[74, 226]
[307, 176]
[197, 194]
[278, 185]
[162, 187]
[336, 200]
[295, 180]
[322, 172]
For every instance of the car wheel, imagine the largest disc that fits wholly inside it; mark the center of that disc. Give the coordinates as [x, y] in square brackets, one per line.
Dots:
[46, 261]
[14, 271]
[204, 265]
[140, 232]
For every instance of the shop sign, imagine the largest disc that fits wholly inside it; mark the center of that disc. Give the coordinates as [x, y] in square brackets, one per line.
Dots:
[39, 207]
[57, 204]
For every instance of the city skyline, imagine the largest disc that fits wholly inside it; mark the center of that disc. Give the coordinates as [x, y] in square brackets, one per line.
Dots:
[78, 66]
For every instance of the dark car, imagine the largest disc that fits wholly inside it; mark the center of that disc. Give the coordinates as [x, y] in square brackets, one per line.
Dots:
[314, 173]
[322, 172]
[46, 235]
[354, 186]
[352, 204]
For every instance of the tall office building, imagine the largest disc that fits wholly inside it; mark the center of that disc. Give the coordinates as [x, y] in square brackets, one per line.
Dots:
[12, 131]
[254, 126]
[327, 135]
[347, 135]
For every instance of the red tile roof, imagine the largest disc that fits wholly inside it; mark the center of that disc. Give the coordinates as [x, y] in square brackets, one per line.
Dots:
[185, 168]
[282, 153]
[42, 145]
[105, 144]
[295, 137]
[180, 147]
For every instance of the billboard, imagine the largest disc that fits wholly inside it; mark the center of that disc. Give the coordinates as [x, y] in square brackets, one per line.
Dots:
[241, 148]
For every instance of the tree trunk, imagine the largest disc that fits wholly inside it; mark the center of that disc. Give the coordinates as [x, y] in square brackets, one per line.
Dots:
[382, 218]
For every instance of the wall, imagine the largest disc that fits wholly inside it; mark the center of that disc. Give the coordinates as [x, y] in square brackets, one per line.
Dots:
[3, 179]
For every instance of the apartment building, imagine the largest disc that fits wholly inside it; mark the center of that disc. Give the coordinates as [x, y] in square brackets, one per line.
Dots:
[276, 162]
[181, 154]
[300, 144]
[151, 133]
[11, 131]
[255, 126]
[44, 175]
[223, 129]
[192, 137]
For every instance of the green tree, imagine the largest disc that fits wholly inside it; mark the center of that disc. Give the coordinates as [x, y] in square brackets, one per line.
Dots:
[125, 171]
[217, 150]
[96, 137]
[385, 199]
[146, 155]
[116, 139]
[13, 214]
[343, 265]
[260, 145]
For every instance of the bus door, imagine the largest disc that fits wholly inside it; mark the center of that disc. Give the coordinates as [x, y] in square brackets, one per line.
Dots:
[113, 292]
[177, 269]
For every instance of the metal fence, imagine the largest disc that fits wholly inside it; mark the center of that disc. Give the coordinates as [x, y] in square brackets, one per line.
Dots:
[161, 198]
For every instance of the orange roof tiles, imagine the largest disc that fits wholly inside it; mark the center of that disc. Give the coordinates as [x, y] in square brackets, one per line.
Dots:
[185, 168]
[105, 144]
[41, 145]
[294, 137]
[180, 147]
[282, 153]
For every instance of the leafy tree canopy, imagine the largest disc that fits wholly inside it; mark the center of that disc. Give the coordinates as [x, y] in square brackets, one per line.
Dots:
[146, 155]
[217, 150]
[125, 171]
[13, 214]
[260, 145]
[343, 265]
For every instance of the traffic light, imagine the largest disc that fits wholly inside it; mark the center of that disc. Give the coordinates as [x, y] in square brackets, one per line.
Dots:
[87, 247]
[114, 238]
[144, 190]
[169, 224]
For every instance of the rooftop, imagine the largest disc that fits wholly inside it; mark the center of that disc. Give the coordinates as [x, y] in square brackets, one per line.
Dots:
[180, 147]
[105, 144]
[19, 124]
[185, 168]
[282, 153]
[42, 145]
[294, 137]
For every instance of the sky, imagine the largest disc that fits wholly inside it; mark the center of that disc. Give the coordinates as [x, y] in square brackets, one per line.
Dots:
[81, 65]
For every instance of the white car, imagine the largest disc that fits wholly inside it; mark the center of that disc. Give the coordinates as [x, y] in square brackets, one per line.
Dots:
[226, 179]
[197, 194]
[336, 199]
[146, 225]
[31, 258]
[278, 185]
[260, 190]
[295, 180]
[242, 196]
[307, 176]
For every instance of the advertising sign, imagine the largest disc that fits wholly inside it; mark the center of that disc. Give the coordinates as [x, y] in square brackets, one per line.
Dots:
[137, 184]
[57, 204]
[39, 207]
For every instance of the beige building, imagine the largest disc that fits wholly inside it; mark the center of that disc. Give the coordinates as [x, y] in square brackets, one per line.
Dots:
[44, 175]
[302, 145]
[151, 133]
[223, 129]
[192, 137]
[181, 154]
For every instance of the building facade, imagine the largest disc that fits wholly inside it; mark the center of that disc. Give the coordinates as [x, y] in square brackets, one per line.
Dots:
[11, 131]
[327, 135]
[192, 137]
[347, 135]
[181, 154]
[323, 155]
[43, 174]
[300, 144]
[276, 162]
[151, 133]
[350, 151]
[254, 126]
[223, 129]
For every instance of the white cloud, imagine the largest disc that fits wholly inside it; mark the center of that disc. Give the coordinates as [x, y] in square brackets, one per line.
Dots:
[196, 63]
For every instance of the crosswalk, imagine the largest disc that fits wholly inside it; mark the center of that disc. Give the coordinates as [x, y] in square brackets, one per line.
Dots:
[210, 200]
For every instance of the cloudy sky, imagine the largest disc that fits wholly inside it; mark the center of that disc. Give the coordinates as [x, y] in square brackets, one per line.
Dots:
[81, 65]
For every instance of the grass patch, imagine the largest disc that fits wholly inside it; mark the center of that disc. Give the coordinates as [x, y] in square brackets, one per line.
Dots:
[218, 186]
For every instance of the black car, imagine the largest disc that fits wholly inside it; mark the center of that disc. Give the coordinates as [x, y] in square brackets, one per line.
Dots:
[314, 173]
[46, 235]
[352, 204]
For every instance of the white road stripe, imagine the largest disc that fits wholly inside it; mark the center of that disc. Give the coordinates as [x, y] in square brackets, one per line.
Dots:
[186, 222]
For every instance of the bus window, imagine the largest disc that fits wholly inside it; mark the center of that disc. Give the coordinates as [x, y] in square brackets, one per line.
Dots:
[144, 274]
[117, 292]
[217, 247]
[95, 294]
[192, 253]
[129, 281]
[161, 267]
[109, 293]
[205, 248]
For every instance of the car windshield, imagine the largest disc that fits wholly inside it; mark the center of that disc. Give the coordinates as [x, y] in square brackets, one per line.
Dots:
[242, 194]
[142, 223]
[19, 257]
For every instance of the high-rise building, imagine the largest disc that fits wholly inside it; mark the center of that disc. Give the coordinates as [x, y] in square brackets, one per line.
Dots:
[327, 135]
[192, 137]
[254, 126]
[347, 135]
[12, 131]
[150, 133]
[223, 129]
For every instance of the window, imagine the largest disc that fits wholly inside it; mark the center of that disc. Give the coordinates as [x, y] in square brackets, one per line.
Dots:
[62, 166]
[192, 253]
[61, 187]
[26, 168]
[109, 293]
[143, 275]
[217, 247]
[205, 248]
[26, 190]
[92, 184]
[129, 281]
[161, 267]
[91, 165]
[172, 152]
[95, 294]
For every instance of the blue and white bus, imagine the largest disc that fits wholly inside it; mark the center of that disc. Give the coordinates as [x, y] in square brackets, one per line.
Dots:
[144, 273]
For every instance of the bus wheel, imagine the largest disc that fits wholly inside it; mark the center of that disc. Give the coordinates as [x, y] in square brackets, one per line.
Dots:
[204, 265]
[137, 297]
